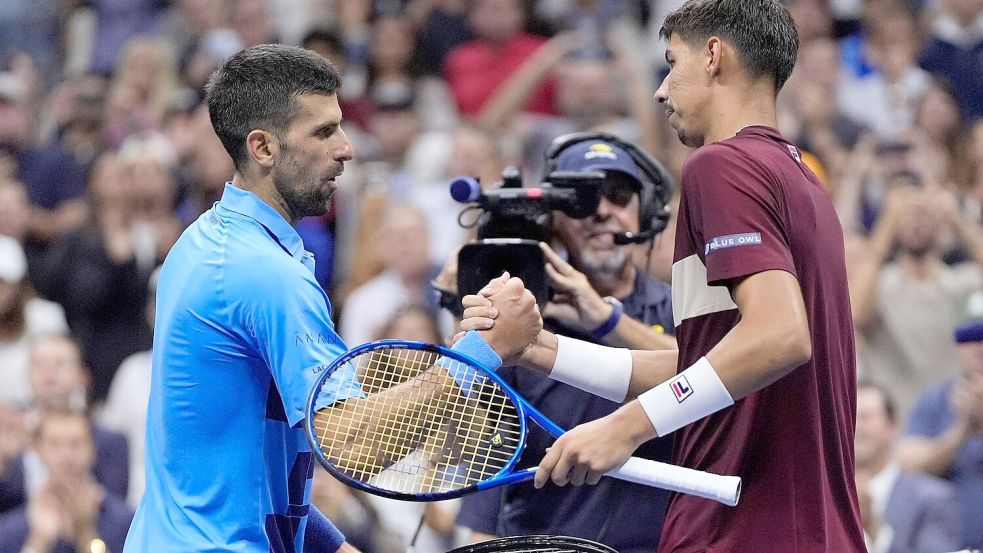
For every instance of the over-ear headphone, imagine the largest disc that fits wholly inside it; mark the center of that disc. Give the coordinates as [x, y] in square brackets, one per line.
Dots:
[654, 195]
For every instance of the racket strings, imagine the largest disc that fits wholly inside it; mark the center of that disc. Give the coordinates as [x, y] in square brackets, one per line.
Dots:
[416, 432]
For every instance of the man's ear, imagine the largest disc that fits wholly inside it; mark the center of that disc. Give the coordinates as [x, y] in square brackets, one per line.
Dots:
[262, 147]
[714, 55]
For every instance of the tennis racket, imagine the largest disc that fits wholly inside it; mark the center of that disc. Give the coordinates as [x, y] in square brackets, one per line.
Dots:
[535, 544]
[425, 423]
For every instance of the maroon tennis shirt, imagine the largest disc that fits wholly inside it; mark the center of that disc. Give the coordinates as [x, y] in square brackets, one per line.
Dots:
[748, 205]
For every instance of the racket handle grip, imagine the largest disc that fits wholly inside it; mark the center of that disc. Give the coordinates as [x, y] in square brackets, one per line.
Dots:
[725, 489]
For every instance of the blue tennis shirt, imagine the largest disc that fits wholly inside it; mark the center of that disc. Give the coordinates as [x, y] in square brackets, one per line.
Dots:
[242, 331]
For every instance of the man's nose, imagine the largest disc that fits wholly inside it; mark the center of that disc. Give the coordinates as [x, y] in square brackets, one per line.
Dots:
[604, 209]
[662, 93]
[345, 152]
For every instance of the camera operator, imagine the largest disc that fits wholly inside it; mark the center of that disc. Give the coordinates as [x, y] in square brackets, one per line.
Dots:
[598, 295]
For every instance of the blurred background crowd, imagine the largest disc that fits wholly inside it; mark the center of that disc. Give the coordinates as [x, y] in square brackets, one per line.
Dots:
[107, 154]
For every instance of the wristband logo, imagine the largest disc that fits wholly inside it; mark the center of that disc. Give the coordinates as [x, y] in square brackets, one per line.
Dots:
[680, 388]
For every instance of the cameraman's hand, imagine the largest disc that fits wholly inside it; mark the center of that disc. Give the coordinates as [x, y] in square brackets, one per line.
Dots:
[575, 303]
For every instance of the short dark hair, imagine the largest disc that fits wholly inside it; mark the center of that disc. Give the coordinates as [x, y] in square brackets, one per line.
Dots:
[890, 408]
[257, 88]
[762, 31]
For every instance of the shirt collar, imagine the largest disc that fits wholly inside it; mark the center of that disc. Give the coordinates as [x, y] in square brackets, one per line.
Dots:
[881, 485]
[246, 203]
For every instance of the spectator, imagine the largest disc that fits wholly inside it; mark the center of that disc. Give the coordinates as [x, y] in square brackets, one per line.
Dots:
[939, 119]
[142, 89]
[54, 181]
[945, 430]
[904, 306]
[403, 244]
[474, 151]
[808, 116]
[148, 168]
[394, 71]
[251, 20]
[75, 118]
[99, 273]
[885, 99]
[15, 438]
[443, 26]
[954, 51]
[23, 318]
[71, 512]
[475, 69]
[117, 23]
[58, 383]
[902, 511]
[594, 92]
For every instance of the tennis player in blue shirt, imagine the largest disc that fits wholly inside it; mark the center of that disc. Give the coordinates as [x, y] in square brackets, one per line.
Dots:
[243, 328]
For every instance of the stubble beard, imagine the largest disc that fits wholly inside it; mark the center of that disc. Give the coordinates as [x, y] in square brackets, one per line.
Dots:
[302, 191]
[689, 140]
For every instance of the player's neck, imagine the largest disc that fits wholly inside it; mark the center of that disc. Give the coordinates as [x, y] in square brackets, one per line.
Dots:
[264, 188]
[755, 105]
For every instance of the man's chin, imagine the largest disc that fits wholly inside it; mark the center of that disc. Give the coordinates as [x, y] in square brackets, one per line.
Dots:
[688, 139]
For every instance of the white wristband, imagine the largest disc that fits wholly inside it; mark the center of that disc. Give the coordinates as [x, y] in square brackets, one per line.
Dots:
[600, 370]
[685, 398]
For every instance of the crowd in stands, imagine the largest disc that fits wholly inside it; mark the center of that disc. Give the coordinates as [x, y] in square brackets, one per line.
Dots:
[107, 154]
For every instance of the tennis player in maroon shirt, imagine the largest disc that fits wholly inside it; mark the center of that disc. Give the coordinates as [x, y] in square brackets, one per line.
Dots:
[763, 384]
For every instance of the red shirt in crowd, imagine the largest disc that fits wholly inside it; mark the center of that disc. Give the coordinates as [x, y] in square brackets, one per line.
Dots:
[475, 69]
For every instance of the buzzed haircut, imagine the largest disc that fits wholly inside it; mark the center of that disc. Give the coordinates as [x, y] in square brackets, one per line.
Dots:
[257, 89]
[762, 32]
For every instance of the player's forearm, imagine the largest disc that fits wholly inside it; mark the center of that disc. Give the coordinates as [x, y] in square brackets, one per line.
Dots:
[585, 365]
[651, 368]
[350, 439]
[752, 356]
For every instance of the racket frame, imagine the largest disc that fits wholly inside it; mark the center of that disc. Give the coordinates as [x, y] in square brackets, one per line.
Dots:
[503, 476]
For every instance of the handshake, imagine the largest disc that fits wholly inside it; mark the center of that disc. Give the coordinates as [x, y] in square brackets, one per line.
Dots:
[506, 315]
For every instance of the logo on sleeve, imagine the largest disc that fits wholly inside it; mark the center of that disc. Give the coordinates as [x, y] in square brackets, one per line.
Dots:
[733, 241]
[794, 153]
[681, 388]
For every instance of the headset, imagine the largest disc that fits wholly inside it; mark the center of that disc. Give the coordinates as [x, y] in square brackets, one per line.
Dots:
[653, 197]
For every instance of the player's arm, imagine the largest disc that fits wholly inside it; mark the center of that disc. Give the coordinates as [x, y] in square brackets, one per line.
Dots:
[771, 339]
[320, 536]
[351, 428]
[616, 374]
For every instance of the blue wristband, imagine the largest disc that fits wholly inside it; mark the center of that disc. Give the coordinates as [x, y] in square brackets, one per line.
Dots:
[321, 535]
[600, 332]
[474, 346]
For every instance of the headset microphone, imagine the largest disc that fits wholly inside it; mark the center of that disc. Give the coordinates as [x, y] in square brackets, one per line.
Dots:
[625, 238]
